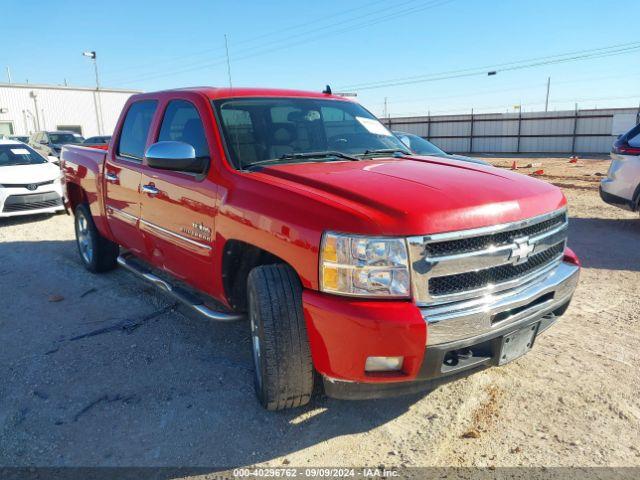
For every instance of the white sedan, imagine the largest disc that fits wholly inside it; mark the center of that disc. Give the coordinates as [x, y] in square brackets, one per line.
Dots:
[29, 182]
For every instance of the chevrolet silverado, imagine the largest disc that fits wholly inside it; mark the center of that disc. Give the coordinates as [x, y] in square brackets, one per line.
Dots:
[359, 266]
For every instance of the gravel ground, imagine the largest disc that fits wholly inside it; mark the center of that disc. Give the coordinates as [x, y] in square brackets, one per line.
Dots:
[103, 370]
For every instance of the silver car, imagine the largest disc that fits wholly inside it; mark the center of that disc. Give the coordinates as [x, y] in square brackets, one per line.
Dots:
[621, 186]
[422, 146]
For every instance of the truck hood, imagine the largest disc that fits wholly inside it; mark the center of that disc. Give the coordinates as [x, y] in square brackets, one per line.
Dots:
[21, 174]
[418, 195]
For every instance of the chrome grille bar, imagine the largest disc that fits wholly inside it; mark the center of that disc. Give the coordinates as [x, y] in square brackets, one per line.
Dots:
[526, 239]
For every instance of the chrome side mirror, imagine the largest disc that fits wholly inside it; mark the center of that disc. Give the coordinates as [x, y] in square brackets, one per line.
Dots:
[178, 156]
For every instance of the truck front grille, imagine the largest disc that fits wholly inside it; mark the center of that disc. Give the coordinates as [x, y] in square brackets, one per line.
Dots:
[36, 201]
[461, 265]
[472, 244]
[463, 282]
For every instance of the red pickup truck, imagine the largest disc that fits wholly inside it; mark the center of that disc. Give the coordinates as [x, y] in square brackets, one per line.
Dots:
[359, 265]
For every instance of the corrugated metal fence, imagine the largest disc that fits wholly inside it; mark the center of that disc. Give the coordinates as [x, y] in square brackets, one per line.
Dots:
[572, 131]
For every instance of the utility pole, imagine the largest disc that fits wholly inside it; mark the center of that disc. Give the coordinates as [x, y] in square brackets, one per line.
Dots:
[385, 111]
[97, 101]
[546, 102]
[8, 73]
[226, 47]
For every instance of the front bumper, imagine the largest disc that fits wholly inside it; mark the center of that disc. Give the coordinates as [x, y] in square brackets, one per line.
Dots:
[614, 200]
[21, 201]
[620, 187]
[343, 333]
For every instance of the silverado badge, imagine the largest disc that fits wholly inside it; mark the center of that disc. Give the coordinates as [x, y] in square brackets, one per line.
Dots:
[198, 230]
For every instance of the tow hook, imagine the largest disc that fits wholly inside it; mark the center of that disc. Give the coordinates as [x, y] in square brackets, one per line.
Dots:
[454, 357]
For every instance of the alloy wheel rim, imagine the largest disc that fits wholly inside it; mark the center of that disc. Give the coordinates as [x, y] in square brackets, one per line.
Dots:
[84, 239]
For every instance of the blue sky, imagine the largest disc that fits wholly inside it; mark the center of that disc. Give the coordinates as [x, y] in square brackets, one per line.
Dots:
[299, 44]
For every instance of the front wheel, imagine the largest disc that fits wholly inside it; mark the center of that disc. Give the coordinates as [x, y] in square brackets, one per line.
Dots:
[282, 358]
[96, 252]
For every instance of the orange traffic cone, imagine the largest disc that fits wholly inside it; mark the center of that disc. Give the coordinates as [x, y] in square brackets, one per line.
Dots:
[514, 166]
[538, 172]
[573, 159]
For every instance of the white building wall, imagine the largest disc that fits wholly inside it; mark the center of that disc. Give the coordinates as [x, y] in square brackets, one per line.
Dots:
[58, 105]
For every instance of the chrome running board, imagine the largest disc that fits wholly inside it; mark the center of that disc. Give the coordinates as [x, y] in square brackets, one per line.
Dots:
[191, 300]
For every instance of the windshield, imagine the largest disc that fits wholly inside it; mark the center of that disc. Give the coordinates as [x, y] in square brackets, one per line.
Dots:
[19, 155]
[60, 138]
[286, 130]
[418, 144]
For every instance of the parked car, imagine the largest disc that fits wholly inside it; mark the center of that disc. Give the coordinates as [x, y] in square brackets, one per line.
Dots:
[29, 183]
[49, 143]
[383, 271]
[621, 186]
[422, 146]
[19, 138]
[98, 140]
[101, 142]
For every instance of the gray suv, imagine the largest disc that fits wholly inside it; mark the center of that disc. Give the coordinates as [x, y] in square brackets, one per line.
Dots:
[49, 143]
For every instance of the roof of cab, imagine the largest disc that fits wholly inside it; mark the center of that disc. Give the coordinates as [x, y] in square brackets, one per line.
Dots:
[214, 93]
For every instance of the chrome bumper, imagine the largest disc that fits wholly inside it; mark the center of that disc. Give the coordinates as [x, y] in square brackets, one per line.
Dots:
[461, 320]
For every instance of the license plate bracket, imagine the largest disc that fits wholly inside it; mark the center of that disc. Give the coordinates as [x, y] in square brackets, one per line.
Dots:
[516, 344]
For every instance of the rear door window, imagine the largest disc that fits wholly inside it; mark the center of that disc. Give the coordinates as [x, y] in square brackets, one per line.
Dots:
[135, 129]
[182, 123]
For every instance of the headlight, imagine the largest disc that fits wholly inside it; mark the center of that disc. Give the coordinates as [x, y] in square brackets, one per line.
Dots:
[364, 266]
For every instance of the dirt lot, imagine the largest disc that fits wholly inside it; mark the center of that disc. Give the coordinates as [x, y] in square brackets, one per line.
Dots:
[103, 370]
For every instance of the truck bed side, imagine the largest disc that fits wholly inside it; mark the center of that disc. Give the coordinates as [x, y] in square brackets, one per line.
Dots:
[83, 171]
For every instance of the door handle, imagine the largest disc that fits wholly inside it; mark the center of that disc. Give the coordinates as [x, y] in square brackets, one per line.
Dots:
[150, 189]
[111, 177]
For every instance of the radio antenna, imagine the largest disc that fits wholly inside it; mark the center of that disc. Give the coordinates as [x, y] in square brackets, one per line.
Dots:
[226, 46]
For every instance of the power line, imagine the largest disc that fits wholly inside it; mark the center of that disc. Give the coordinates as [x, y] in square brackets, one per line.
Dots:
[501, 107]
[254, 39]
[287, 43]
[396, 101]
[509, 66]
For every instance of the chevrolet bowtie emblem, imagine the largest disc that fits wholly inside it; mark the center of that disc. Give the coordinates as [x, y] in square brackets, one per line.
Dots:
[521, 251]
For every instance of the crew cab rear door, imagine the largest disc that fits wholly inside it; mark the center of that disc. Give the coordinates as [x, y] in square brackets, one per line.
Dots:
[122, 175]
[178, 208]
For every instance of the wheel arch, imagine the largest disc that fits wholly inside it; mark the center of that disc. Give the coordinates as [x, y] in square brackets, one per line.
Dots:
[75, 195]
[239, 258]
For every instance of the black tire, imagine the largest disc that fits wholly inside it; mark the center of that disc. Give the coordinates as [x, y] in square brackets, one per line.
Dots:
[283, 373]
[96, 252]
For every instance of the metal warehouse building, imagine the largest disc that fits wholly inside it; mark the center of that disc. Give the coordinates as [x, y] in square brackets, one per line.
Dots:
[25, 108]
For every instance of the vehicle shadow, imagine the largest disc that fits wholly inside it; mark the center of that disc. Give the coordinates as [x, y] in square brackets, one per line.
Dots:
[114, 375]
[606, 243]
[24, 219]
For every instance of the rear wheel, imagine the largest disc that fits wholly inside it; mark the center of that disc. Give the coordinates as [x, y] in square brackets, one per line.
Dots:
[96, 252]
[282, 358]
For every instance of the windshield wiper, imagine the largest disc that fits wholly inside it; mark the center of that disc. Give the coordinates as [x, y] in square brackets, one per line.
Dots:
[300, 156]
[327, 154]
[385, 151]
